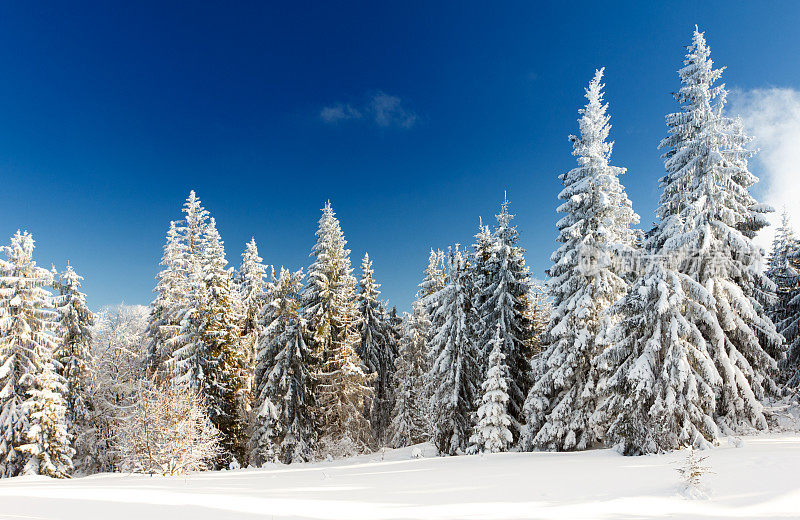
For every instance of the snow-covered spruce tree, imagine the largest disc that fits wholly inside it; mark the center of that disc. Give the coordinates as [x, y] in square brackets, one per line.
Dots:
[493, 423]
[342, 387]
[376, 350]
[501, 303]
[435, 279]
[74, 351]
[707, 213]
[783, 269]
[285, 427]
[47, 445]
[780, 268]
[191, 235]
[584, 283]
[252, 294]
[26, 345]
[209, 357]
[409, 424]
[454, 375]
[171, 297]
[657, 375]
[251, 286]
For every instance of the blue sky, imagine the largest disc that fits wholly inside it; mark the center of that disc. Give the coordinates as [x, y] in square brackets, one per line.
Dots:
[412, 117]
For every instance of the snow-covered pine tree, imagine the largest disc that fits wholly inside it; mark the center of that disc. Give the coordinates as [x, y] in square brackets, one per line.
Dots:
[454, 375]
[493, 423]
[780, 269]
[409, 423]
[708, 214]
[209, 357]
[74, 351]
[252, 287]
[179, 288]
[584, 283]
[47, 444]
[329, 306]
[222, 380]
[657, 375]
[783, 269]
[285, 427]
[504, 286]
[376, 350]
[252, 294]
[26, 345]
[171, 297]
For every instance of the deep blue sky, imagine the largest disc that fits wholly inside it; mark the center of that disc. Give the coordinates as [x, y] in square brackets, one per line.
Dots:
[109, 114]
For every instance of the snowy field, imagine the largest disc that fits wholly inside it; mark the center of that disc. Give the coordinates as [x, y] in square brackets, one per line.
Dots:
[756, 480]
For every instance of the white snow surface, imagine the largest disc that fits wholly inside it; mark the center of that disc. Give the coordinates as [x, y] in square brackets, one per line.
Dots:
[754, 478]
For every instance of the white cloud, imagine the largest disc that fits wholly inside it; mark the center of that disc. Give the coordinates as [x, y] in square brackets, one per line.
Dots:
[388, 111]
[382, 109]
[772, 117]
[339, 112]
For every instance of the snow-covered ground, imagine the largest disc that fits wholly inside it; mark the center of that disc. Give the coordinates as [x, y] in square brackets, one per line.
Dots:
[756, 480]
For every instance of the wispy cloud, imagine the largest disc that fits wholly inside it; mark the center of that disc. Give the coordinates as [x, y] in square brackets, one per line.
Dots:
[382, 109]
[339, 112]
[772, 117]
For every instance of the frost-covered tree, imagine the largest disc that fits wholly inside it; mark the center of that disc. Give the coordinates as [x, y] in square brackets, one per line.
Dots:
[500, 303]
[687, 356]
[47, 445]
[658, 376]
[74, 350]
[166, 431]
[780, 268]
[537, 312]
[376, 349]
[171, 297]
[783, 269]
[584, 283]
[493, 423]
[252, 294]
[708, 215]
[285, 427]
[27, 342]
[454, 375]
[409, 424]
[329, 305]
[119, 363]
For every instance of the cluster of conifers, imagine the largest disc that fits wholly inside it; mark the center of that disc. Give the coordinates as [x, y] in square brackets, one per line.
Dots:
[677, 348]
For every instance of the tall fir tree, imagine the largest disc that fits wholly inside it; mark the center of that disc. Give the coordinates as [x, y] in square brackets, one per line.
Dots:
[687, 356]
[342, 387]
[409, 424]
[209, 355]
[252, 293]
[376, 350]
[708, 213]
[285, 426]
[27, 343]
[493, 423]
[171, 291]
[584, 283]
[783, 269]
[455, 374]
[47, 446]
[74, 351]
[503, 287]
